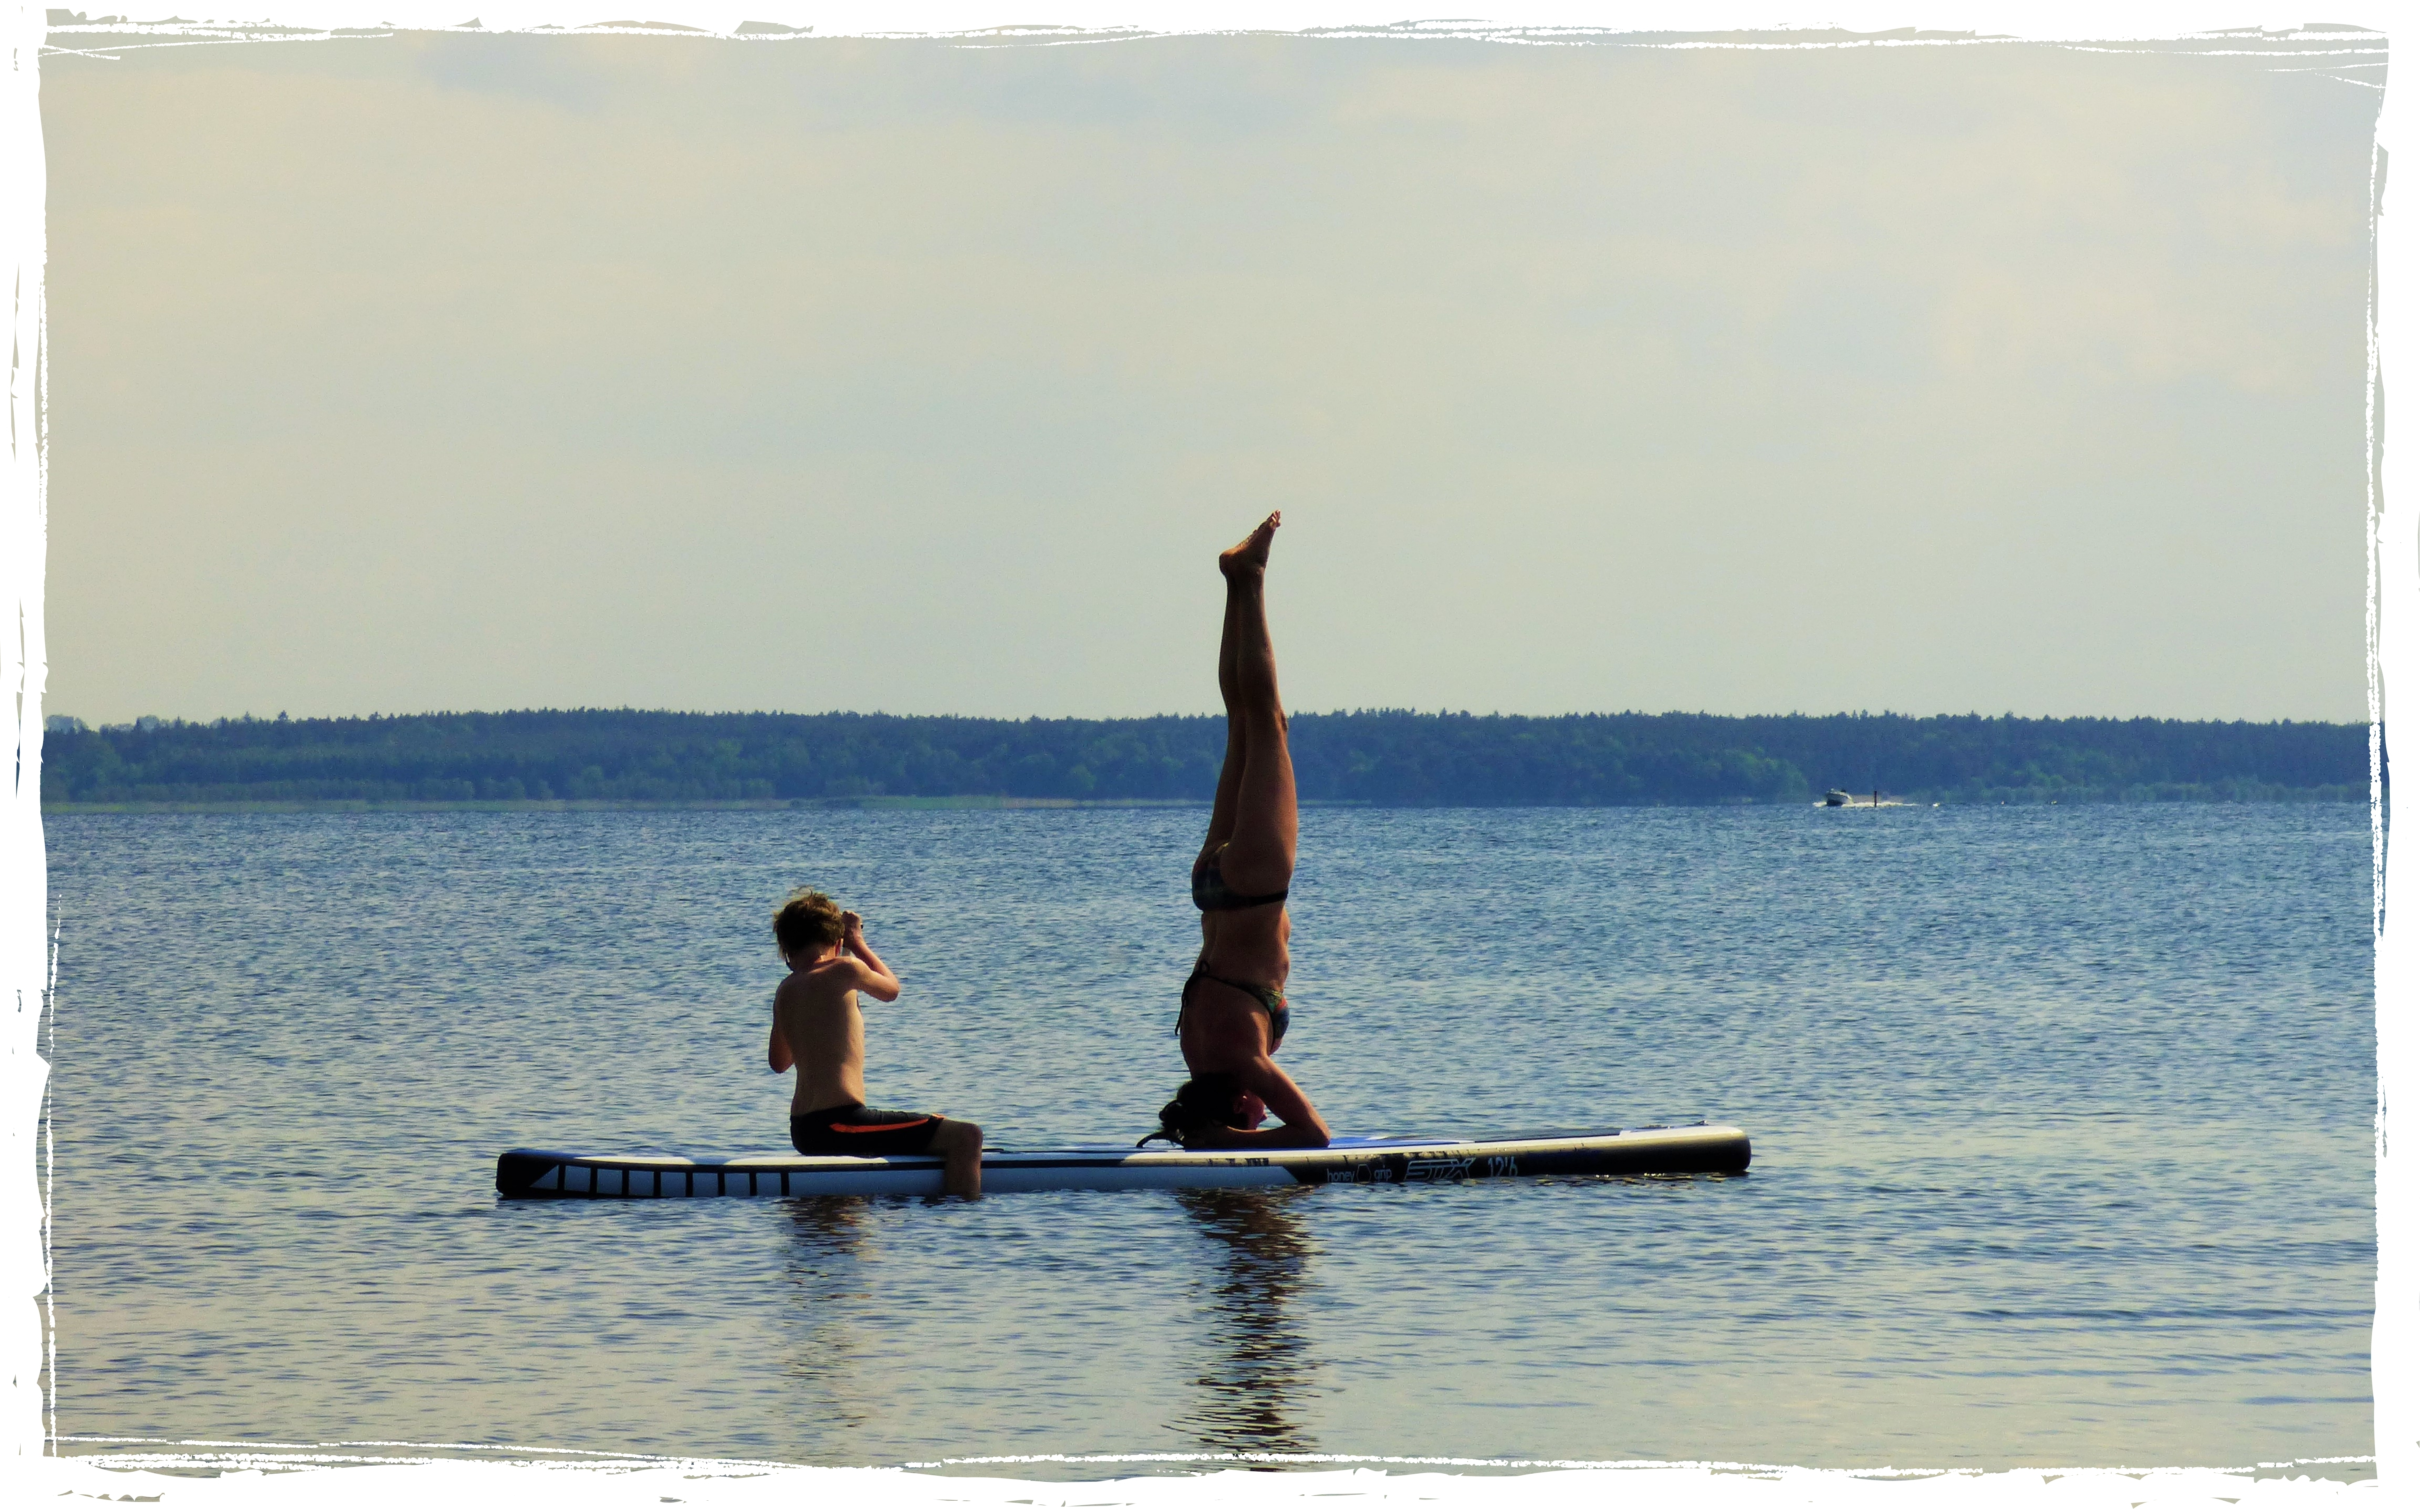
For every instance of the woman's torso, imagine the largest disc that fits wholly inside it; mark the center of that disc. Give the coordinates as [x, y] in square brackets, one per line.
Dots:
[1249, 945]
[1230, 1002]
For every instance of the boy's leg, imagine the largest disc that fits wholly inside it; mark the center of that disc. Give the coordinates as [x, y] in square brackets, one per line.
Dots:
[960, 1147]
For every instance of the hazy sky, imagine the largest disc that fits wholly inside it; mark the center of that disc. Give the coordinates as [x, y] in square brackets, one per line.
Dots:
[486, 372]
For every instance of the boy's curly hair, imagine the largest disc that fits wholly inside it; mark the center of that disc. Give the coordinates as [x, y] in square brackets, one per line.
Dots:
[807, 924]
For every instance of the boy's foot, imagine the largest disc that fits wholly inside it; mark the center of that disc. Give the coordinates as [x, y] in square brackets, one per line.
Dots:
[1249, 557]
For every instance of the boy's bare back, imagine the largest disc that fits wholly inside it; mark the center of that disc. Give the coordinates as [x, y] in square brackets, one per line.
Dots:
[816, 1024]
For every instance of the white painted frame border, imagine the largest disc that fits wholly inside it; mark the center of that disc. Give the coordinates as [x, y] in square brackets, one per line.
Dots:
[26, 941]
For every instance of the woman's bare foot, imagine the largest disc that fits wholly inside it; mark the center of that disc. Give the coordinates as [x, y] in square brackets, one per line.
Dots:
[1249, 557]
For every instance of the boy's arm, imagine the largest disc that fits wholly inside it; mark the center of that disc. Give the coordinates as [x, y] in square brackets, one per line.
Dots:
[777, 1049]
[875, 977]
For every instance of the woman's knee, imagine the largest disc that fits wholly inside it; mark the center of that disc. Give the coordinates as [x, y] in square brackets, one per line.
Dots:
[1261, 723]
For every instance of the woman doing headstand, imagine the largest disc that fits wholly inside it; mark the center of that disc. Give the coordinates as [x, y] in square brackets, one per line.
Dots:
[1233, 1011]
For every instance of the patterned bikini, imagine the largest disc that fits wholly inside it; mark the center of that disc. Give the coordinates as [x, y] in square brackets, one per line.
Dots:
[1210, 895]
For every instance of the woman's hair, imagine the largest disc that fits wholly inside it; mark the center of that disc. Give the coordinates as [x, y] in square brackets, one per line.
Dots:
[1205, 1101]
[808, 924]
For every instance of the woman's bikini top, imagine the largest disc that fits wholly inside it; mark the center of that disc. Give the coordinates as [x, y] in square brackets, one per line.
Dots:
[1210, 892]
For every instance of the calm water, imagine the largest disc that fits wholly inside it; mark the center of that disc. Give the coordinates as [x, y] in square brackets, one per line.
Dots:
[2062, 1123]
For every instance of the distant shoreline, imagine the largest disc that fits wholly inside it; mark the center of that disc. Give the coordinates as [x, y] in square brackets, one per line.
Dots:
[600, 760]
[994, 804]
[625, 804]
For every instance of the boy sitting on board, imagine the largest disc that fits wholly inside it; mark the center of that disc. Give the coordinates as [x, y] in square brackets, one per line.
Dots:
[817, 1027]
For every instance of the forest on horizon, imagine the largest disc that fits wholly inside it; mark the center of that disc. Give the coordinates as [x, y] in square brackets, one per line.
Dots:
[1388, 757]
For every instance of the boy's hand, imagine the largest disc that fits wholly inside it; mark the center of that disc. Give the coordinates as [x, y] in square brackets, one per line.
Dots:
[880, 982]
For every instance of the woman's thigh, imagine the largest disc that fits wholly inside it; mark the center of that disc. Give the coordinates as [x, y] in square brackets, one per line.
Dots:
[1230, 784]
[1260, 847]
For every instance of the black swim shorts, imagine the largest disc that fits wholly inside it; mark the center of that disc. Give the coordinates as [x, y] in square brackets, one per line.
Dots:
[854, 1129]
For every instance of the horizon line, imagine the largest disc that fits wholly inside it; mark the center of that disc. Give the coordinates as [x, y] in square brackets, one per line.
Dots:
[136, 722]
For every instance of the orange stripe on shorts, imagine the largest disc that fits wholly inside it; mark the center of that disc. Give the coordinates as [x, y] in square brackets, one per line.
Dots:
[874, 1128]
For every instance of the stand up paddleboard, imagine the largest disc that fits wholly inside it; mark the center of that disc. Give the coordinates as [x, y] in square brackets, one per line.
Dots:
[1689, 1149]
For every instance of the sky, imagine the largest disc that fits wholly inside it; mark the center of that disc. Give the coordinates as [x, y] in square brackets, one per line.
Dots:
[457, 372]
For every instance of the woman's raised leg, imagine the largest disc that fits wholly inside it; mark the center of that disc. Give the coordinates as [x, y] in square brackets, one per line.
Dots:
[1230, 770]
[1263, 826]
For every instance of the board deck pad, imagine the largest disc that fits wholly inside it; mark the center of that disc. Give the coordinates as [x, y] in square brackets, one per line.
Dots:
[1687, 1149]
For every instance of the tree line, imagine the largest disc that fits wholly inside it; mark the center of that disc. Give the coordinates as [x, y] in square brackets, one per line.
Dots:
[1377, 756]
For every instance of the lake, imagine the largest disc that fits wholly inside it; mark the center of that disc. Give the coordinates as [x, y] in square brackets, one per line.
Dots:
[2062, 1120]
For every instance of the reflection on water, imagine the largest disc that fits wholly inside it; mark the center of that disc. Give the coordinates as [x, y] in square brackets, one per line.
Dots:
[827, 1274]
[1254, 1385]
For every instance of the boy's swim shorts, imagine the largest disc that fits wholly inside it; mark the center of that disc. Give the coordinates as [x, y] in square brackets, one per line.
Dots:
[854, 1129]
